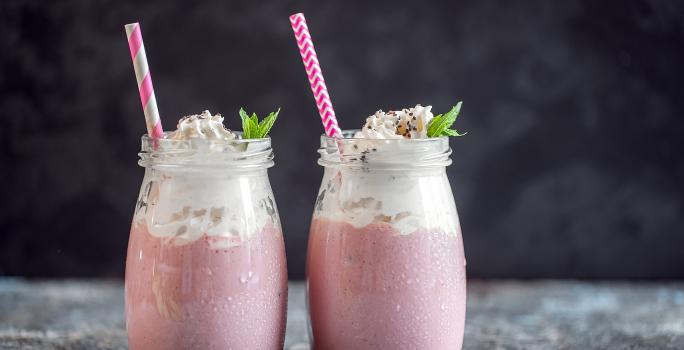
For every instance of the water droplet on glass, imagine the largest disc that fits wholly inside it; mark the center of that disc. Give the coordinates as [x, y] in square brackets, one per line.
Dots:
[245, 277]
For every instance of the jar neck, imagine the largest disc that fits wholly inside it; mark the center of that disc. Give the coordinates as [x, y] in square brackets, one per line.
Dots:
[206, 156]
[386, 155]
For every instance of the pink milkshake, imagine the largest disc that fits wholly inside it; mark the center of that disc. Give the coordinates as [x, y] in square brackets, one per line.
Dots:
[196, 296]
[206, 258]
[386, 264]
[373, 288]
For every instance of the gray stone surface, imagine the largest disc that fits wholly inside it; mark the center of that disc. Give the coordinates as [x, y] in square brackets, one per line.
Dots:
[501, 315]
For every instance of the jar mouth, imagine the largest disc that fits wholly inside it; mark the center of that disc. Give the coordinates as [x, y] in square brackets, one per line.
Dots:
[201, 153]
[363, 153]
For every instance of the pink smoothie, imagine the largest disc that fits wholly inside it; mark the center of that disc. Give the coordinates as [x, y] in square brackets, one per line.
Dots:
[372, 288]
[194, 296]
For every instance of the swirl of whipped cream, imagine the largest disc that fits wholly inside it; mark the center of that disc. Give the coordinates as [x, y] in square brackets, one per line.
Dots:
[202, 126]
[410, 123]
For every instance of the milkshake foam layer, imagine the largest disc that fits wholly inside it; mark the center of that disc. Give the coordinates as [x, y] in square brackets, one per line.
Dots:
[401, 182]
[181, 208]
[407, 202]
[194, 177]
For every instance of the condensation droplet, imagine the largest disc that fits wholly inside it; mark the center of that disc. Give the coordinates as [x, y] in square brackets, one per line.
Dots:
[245, 277]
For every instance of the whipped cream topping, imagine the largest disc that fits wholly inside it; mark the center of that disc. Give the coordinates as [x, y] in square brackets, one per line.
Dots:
[424, 201]
[409, 123]
[182, 205]
[202, 126]
[227, 208]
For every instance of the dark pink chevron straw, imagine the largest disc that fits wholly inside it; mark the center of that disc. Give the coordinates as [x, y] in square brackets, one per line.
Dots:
[313, 71]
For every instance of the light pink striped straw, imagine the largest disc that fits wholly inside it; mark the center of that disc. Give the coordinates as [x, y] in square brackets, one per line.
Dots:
[142, 75]
[313, 70]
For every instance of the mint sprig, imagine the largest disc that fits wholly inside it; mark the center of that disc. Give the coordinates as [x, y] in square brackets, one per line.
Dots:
[252, 128]
[440, 124]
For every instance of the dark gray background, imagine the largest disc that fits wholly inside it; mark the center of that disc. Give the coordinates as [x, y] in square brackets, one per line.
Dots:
[572, 167]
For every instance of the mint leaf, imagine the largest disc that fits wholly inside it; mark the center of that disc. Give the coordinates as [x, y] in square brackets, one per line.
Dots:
[434, 127]
[451, 132]
[246, 127]
[440, 124]
[266, 124]
[252, 128]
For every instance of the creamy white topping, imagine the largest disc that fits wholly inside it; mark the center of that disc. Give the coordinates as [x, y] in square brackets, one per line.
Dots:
[226, 207]
[410, 123]
[408, 202]
[202, 126]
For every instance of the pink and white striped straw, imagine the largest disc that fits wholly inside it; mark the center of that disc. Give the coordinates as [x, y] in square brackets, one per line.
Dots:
[313, 70]
[142, 75]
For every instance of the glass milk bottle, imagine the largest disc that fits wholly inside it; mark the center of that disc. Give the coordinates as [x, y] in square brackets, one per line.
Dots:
[385, 265]
[206, 259]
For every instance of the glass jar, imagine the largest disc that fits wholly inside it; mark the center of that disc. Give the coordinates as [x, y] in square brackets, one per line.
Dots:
[385, 264]
[206, 259]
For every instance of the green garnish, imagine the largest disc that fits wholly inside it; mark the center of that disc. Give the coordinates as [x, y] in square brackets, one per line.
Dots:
[439, 125]
[252, 128]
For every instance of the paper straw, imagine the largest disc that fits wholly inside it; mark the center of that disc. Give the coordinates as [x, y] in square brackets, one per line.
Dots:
[313, 71]
[142, 75]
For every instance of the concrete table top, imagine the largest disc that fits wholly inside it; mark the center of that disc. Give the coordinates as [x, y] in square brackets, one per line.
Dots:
[88, 314]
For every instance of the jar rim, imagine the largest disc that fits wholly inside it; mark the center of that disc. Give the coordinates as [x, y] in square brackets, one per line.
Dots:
[151, 142]
[202, 153]
[348, 134]
[387, 154]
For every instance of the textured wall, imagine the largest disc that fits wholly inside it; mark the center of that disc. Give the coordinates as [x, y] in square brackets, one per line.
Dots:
[573, 164]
